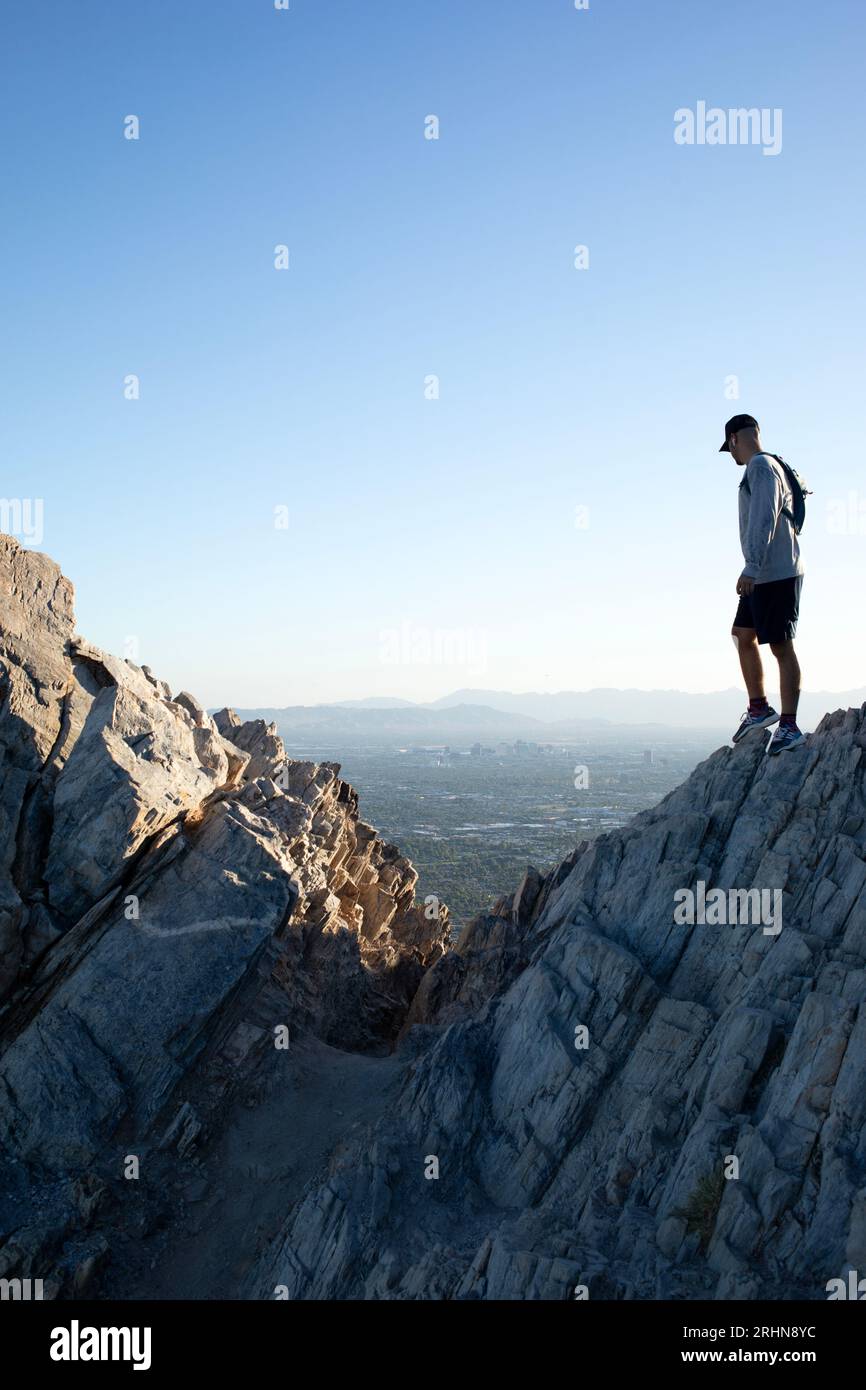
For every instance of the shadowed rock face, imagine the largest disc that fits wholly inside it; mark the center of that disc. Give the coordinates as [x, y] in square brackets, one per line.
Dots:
[604, 1165]
[614, 1096]
[172, 888]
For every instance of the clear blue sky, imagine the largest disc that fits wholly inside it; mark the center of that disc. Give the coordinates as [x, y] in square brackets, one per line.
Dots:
[605, 388]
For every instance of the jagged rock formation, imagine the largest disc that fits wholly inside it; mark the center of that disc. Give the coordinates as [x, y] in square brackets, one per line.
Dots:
[604, 1166]
[586, 1091]
[172, 888]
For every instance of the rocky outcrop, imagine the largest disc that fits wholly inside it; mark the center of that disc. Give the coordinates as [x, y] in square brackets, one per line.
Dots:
[607, 1099]
[173, 890]
[238, 1060]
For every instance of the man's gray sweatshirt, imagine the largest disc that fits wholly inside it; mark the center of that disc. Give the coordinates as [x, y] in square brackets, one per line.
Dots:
[770, 546]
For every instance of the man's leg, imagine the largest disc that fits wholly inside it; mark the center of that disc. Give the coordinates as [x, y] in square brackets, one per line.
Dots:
[746, 642]
[789, 678]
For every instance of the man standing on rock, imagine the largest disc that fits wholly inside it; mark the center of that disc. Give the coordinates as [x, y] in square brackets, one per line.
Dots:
[770, 584]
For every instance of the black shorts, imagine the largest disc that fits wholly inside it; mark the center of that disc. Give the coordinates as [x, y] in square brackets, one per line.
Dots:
[772, 609]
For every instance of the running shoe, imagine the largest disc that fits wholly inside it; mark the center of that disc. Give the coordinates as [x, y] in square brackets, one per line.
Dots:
[756, 721]
[784, 738]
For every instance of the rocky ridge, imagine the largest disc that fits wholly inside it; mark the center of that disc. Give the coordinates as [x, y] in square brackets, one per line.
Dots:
[172, 889]
[585, 1094]
[607, 1167]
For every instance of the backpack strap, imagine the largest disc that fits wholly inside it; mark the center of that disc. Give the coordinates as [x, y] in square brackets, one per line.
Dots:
[786, 511]
[783, 511]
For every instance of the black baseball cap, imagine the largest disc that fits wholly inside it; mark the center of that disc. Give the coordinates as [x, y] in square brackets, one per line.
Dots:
[737, 422]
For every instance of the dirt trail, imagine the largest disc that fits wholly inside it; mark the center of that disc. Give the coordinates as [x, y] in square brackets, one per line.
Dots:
[313, 1098]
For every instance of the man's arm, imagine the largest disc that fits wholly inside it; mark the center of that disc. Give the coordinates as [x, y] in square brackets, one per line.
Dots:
[763, 516]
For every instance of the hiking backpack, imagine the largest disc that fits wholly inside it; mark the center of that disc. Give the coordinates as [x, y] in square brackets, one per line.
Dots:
[799, 492]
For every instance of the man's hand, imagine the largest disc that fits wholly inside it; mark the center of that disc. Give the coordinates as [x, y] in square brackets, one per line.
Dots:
[745, 585]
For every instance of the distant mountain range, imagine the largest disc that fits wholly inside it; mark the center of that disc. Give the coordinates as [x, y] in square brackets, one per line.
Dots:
[678, 708]
[495, 714]
[403, 722]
